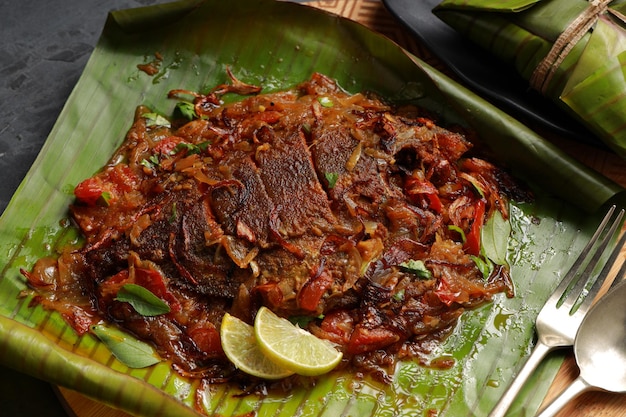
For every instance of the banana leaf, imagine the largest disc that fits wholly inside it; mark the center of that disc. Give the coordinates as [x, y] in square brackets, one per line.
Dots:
[277, 45]
[586, 78]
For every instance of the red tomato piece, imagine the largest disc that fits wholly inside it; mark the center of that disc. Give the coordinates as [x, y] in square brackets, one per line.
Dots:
[153, 281]
[423, 193]
[78, 318]
[366, 340]
[435, 202]
[338, 323]
[89, 191]
[311, 293]
[167, 145]
[122, 178]
[207, 339]
[472, 243]
[445, 293]
[270, 293]
[111, 286]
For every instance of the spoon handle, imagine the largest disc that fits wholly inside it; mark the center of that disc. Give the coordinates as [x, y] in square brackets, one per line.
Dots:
[539, 352]
[578, 386]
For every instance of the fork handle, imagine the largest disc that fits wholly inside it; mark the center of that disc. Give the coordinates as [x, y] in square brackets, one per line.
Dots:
[539, 352]
[578, 386]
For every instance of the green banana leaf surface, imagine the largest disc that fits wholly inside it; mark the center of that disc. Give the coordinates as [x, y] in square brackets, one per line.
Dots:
[278, 45]
[588, 83]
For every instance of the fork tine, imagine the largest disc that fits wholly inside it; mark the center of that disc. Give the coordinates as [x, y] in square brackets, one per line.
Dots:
[602, 277]
[573, 271]
[577, 291]
[621, 274]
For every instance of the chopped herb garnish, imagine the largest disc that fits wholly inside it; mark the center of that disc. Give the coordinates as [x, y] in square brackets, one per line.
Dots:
[147, 164]
[399, 296]
[191, 148]
[325, 101]
[105, 199]
[174, 213]
[416, 267]
[332, 178]
[495, 237]
[187, 109]
[303, 321]
[151, 163]
[155, 120]
[142, 300]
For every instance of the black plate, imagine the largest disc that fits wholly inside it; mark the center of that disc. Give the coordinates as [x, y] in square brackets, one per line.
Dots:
[480, 71]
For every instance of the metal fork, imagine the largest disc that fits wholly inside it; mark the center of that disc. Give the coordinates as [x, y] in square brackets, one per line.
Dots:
[561, 315]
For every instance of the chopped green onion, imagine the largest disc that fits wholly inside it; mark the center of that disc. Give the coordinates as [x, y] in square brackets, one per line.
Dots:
[485, 266]
[458, 230]
[151, 163]
[174, 213]
[303, 321]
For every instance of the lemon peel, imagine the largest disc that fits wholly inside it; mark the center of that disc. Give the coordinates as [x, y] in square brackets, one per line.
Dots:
[240, 346]
[292, 347]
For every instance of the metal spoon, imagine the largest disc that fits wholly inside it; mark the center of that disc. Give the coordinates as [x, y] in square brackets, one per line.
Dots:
[600, 350]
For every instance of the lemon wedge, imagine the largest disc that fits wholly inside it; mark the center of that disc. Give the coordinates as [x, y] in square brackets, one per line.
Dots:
[293, 348]
[240, 346]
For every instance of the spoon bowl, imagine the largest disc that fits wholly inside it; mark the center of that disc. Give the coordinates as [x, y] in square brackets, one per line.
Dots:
[600, 347]
[600, 350]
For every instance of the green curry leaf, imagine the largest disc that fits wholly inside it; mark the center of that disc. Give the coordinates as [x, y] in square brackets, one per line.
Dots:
[128, 350]
[495, 238]
[142, 300]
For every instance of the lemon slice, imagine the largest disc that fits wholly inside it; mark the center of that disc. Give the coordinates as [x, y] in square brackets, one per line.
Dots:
[241, 347]
[292, 347]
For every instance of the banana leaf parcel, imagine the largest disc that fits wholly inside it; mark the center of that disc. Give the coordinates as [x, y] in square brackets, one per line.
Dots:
[571, 51]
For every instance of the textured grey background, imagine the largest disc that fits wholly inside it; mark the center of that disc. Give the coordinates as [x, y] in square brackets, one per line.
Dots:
[44, 47]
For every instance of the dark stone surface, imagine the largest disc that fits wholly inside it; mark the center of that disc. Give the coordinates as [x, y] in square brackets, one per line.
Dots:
[44, 47]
